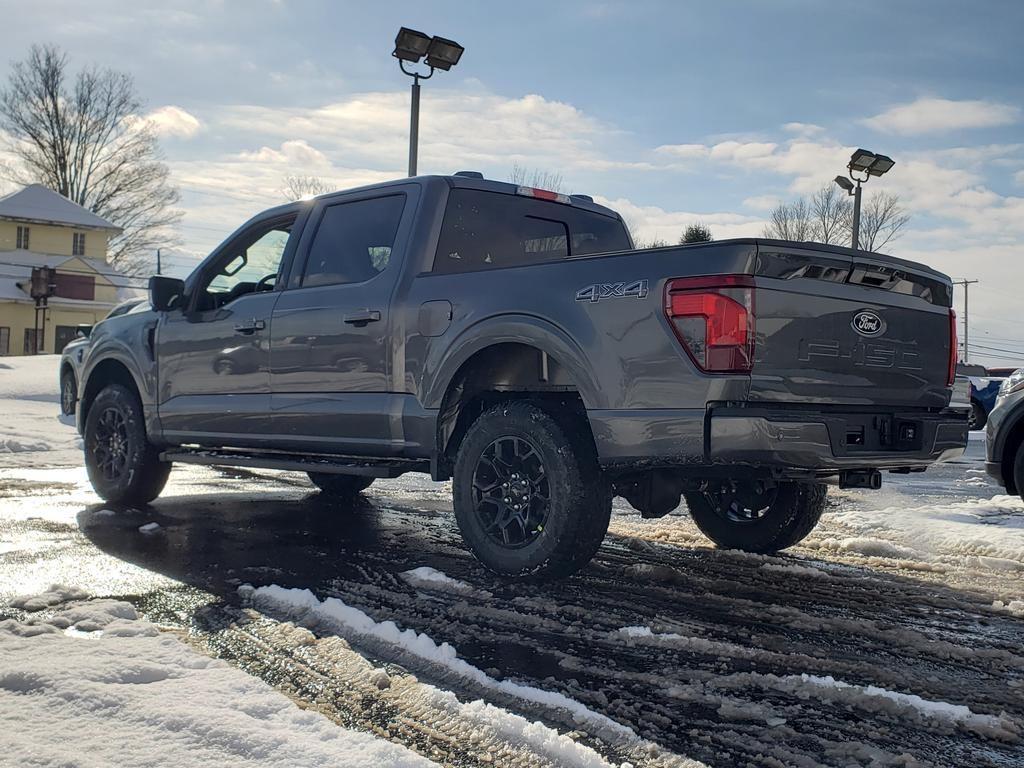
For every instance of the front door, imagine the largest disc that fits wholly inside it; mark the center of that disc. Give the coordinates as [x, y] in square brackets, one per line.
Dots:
[214, 356]
[331, 345]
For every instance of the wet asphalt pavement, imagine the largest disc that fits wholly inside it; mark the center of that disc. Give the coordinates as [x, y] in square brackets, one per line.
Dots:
[719, 680]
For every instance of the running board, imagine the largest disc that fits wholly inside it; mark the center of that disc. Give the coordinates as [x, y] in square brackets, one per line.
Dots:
[336, 465]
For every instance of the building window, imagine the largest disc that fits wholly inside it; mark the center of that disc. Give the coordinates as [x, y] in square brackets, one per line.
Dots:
[23, 238]
[5, 341]
[75, 286]
[78, 244]
[31, 334]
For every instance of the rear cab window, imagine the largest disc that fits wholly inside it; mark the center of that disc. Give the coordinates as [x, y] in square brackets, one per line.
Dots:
[490, 230]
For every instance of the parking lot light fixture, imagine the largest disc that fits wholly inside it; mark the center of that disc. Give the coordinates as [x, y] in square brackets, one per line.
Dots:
[441, 53]
[861, 160]
[862, 166]
[881, 164]
[410, 45]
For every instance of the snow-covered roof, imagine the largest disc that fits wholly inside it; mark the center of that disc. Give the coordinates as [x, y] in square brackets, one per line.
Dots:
[37, 203]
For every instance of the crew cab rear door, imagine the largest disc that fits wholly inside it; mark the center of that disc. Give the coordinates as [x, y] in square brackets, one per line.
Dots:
[332, 345]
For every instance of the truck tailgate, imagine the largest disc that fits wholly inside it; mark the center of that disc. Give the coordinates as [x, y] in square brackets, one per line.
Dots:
[849, 328]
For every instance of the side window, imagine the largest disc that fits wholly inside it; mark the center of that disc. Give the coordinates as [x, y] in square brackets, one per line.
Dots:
[353, 241]
[487, 230]
[250, 265]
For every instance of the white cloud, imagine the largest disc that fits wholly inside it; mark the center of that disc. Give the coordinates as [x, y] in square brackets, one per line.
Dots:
[933, 115]
[650, 222]
[173, 121]
[762, 202]
[741, 152]
[803, 129]
[685, 151]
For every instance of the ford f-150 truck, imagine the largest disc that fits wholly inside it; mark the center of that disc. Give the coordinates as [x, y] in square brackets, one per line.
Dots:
[512, 339]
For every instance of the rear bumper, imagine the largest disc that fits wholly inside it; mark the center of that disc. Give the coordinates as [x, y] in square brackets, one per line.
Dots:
[782, 438]
[822, 441]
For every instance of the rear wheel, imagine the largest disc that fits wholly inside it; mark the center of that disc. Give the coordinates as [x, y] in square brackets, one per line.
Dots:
[748, 516]
[977, 418]
[68, 393]
[529, 499]
[123, 466]
[340, 485]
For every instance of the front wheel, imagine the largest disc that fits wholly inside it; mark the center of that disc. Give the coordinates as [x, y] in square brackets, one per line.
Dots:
[529, 497]
[756, 518]
[68, 393]
[123, 466]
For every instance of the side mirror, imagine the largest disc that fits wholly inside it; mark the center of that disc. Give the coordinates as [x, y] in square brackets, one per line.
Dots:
[83, 331]
[166, 292]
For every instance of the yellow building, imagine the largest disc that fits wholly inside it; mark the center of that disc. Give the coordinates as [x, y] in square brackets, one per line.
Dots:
[40, 228]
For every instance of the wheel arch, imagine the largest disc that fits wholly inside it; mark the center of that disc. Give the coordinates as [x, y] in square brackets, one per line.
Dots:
[513, 360]
[105, 372]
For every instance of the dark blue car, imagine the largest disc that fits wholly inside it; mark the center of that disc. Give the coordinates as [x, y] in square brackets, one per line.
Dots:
[984, 390]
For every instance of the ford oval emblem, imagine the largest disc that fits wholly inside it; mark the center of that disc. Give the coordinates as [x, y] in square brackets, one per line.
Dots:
[868, 323]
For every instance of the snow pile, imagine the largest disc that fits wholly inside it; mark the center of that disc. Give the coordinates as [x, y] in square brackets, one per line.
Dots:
[428, 578]
[789, 569]
[149, 528]
[1013, 607]
[129, 695]
[302, 606]
[647, 636]
[875, 699]
[986, 534]
[30, 403]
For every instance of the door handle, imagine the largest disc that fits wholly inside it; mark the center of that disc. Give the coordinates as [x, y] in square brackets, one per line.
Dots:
[359, 319]
[251, 327]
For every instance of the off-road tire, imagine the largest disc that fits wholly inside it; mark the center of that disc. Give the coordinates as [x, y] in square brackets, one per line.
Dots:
[68, 393]
[793, 513]
[1017, 470]
[140, 477]
[579, 499]
[339, 485]
[977, 418]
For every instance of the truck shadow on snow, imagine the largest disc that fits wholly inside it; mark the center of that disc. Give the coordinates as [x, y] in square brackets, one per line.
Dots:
[721, 656]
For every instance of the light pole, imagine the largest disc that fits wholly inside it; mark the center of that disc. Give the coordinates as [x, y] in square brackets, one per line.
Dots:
[869, 164]
[440, 53]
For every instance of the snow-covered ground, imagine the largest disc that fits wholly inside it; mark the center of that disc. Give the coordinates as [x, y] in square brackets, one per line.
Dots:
[32, 431]
[86, 682]
[890, 636]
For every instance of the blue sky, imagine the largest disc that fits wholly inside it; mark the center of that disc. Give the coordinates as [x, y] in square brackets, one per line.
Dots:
[671, 112]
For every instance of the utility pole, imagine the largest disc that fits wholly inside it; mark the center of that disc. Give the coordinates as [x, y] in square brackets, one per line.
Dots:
[966, 284]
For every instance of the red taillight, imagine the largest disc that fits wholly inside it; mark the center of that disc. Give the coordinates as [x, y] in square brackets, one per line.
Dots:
[714, 319]
[954, 344]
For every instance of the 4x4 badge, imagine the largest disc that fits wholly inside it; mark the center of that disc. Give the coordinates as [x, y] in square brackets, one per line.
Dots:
[868, 323]
[636, 289]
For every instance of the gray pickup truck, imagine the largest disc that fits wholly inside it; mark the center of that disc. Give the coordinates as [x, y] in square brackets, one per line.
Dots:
[513, 340]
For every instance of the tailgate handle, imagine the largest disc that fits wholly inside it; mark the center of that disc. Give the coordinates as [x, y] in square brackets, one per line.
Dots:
[359, 319]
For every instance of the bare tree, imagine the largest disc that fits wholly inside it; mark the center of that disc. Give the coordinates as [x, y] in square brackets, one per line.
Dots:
[831, 212]
[882, 220]
[696, 233]
[791, 221]
[534, 177]
[298, 187]
[86, 141]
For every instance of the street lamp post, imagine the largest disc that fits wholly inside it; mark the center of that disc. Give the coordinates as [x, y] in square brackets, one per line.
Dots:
[440, 53]
[862, 166]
